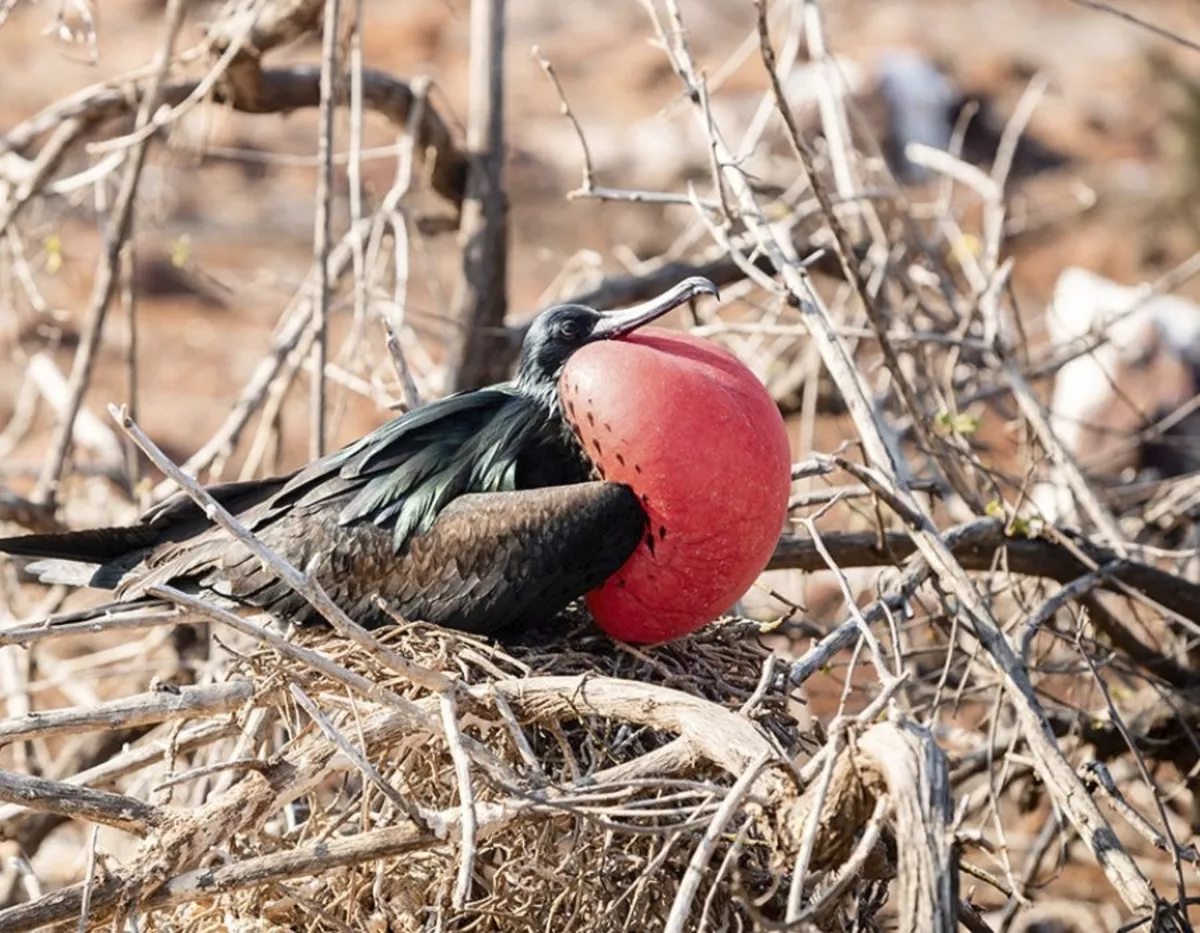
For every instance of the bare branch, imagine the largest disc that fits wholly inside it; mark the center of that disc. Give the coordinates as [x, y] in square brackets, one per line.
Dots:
[481, 303]
[96, 806]
[137, 710]
[106, 279]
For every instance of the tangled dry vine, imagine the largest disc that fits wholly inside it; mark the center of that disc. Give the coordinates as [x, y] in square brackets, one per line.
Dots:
[1002, 673]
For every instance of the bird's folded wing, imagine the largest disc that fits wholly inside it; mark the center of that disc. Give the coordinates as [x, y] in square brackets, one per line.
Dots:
[494, 561]
[402, 474]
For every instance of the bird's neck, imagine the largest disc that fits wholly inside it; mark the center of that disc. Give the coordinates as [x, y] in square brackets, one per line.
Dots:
[556, 458]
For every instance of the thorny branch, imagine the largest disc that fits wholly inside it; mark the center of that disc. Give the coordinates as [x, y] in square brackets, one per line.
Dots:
[300, 767]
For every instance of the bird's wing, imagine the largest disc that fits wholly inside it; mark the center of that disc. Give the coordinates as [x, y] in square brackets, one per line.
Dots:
[494, 561]
[398, 476]
[491, 562]
[401, 475]
[178, 510]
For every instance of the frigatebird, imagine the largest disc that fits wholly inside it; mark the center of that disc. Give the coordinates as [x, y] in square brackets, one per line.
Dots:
[479, 511]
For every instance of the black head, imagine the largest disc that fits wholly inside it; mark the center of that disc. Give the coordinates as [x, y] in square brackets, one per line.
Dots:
[558, 332]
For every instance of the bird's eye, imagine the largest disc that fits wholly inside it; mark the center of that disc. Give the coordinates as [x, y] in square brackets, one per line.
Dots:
[568, 330]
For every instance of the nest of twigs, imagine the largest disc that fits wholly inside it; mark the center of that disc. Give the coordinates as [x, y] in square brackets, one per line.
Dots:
[426, 777]
[571, 841]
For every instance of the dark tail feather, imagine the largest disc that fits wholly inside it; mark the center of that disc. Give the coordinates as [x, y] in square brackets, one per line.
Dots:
[172, 519]
[94, 545]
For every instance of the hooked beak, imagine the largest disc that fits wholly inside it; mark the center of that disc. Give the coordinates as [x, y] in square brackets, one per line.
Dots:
[619, 323]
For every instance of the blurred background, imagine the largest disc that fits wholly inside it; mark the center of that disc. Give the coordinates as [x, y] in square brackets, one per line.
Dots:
[1108, 178]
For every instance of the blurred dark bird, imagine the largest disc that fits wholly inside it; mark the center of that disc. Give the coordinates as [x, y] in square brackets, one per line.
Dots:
[923, 106]
[480, 511]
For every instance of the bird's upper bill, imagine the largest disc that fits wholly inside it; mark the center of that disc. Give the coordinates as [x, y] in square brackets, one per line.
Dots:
[618, 323]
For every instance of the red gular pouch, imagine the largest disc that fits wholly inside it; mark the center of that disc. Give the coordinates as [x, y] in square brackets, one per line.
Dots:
[697, 437]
